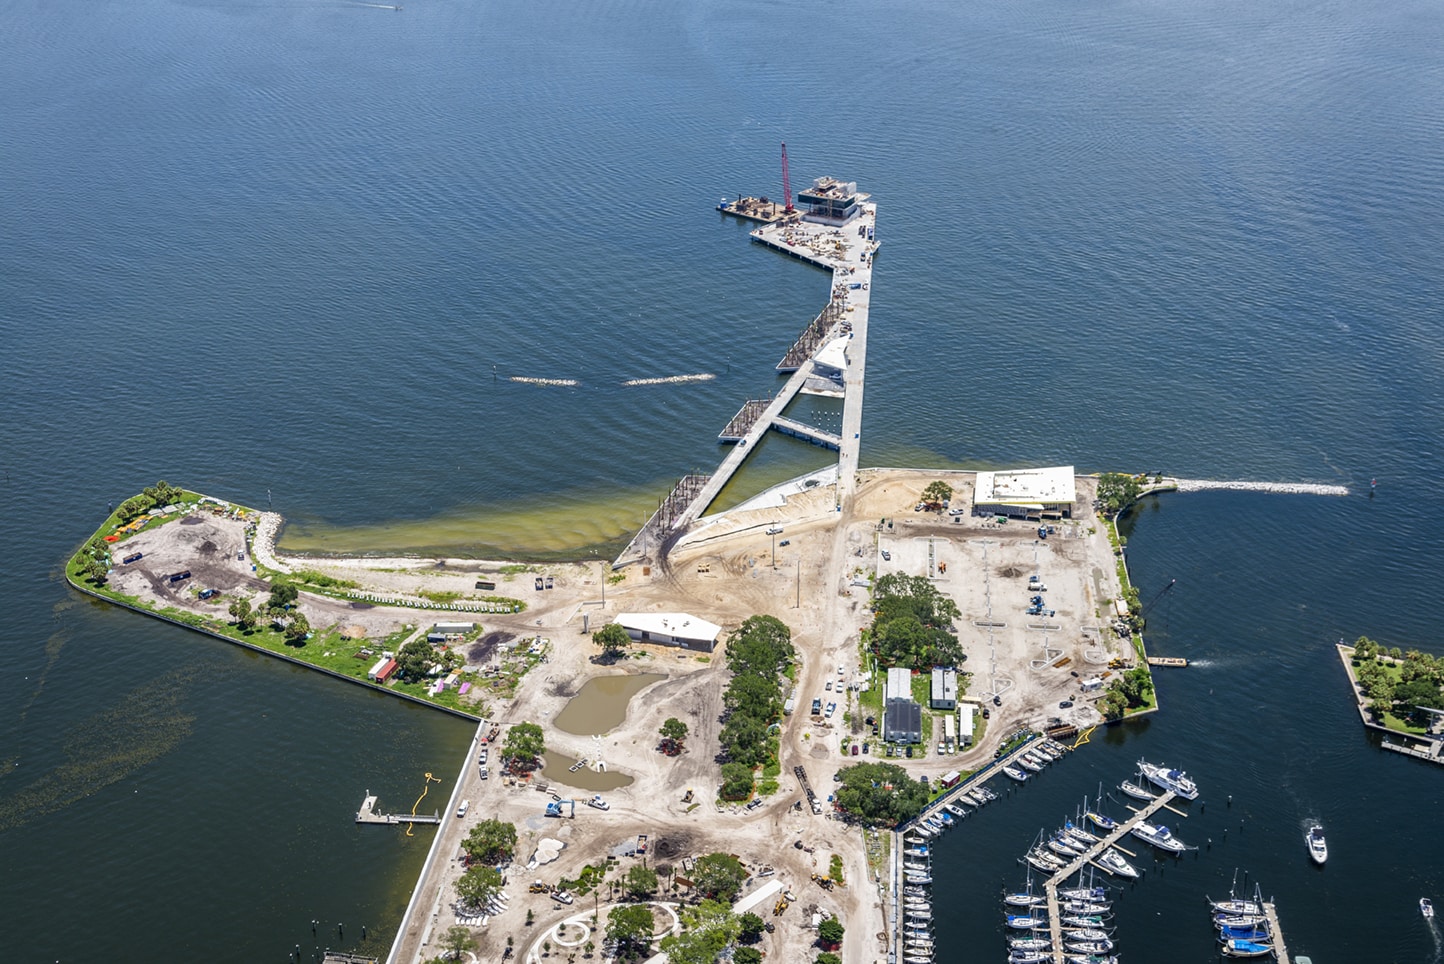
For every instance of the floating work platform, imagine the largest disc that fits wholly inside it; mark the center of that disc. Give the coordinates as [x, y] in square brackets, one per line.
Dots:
[1167, 661]
[1433, 751]
[760, 209]
[368, 814]
[743, 421]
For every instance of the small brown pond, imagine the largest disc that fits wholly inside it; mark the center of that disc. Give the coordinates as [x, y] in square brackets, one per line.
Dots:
[557, 768]
[601, 704]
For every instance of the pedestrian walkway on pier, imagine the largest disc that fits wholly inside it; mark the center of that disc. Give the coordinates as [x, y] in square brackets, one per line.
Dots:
[800, 430]
[1050, 889]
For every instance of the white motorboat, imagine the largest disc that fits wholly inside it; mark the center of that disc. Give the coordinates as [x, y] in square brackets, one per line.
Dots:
[1115, 863]
[1318, 847]
[1016, 774]
[1160, 836]
[1029, 764]
[1426, 907]
[1167, 779]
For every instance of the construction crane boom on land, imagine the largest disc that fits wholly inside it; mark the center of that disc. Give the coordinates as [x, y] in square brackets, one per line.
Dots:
[786, 182]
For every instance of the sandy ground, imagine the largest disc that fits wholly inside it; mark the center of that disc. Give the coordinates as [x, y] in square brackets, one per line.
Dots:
[813, 575]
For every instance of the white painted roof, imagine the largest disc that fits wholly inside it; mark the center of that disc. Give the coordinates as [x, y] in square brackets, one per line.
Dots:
[682, 625]
[1052, 485]
[833, 356]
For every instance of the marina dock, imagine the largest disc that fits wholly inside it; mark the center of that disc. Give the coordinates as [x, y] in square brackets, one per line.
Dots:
[1276, 932]
[1050, 888]
[368, 814]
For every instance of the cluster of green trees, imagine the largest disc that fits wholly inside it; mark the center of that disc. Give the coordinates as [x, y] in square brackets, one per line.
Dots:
[613, 639]
[1403, 683]
[880, 794]
[758, 653]
[912, 623]
[707, 931]
[937, 493]
[92, 560]
[1128, 691]
[160, 494]
[629, 929]
[829, 934]
[525, 744]
[490, 842]
[674, 736]
[278, 609]
[1117, 491]
[415, 659]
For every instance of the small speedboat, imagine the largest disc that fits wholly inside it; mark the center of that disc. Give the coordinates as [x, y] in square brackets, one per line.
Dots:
[1016, 774]
[1243, 948]
[1136, 791]
[1101, 822]
[1115, 863]
[1426, 907]
[1318, 847]
[1160, 836]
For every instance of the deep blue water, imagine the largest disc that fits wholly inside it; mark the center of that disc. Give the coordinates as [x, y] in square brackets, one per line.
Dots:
[293, 250]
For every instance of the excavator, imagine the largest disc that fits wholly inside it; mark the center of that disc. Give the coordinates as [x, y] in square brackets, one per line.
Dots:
[554, 809]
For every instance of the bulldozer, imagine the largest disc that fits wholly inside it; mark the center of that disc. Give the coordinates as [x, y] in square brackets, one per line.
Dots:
[687, 797]
[780, 906]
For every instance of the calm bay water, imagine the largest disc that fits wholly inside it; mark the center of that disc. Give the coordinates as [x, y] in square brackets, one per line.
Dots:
[295, 249]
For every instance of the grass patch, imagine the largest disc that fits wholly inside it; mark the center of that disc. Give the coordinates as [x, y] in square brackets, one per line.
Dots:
[322, 581]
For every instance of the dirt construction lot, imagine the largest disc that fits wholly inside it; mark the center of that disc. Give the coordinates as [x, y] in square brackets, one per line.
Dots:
[800, 560]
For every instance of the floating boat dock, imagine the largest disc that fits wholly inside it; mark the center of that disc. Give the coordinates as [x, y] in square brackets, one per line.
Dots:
[368, 814]
[1276, 932]
[1167, 661]
[1050, 888]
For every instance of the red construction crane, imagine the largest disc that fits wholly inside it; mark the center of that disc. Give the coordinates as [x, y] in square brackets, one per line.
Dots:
[786, 182]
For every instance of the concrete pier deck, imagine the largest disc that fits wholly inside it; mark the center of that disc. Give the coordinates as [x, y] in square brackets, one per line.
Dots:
[368, 814]
[847, 251]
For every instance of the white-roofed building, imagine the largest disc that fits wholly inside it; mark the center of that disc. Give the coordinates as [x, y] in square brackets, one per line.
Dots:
[1026, 493]
[671, 629]
[944, 692]
[899, 684]
[831, 361]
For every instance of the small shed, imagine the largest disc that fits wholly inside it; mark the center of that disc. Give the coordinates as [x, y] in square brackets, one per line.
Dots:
[1092, 684]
